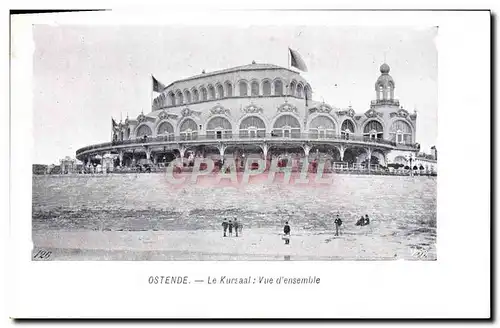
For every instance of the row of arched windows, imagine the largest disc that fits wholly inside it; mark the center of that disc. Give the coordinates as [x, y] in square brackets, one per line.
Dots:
[285, 126]
[243, 88]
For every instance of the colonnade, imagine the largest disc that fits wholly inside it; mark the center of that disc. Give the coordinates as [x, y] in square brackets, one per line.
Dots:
[152, 153]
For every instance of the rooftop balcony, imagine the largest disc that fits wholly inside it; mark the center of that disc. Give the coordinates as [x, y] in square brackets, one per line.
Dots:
[391, 102]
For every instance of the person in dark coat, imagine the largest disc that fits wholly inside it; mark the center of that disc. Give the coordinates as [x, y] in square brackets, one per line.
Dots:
[286, 230]
[224, 226]
[338, 223]
[367, 220]
[230, 228]
[361, 222]
[236, 227]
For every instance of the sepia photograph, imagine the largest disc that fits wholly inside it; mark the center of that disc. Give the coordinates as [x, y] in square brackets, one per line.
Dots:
[234, 143]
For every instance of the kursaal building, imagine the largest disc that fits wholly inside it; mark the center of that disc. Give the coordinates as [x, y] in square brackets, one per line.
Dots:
[262, 110]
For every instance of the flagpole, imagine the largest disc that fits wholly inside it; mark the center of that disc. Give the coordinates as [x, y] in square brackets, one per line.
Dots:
[288, 60]
[288, 81]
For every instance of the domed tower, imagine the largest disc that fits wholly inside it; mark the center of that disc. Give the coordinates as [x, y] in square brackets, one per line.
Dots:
[384, 88]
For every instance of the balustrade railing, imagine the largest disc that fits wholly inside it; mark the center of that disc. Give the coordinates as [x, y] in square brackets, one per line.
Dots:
[263, 137]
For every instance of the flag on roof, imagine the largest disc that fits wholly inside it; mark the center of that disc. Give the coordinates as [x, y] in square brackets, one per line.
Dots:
[157, 85]
[297, 61]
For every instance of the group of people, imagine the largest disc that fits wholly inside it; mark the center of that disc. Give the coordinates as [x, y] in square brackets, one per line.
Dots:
[363, 221]
[228, 227]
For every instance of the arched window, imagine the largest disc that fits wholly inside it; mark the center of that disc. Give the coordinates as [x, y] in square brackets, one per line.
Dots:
[219, 128]
[373, 130]
[187, 96]
[252, 127]
[204, 94]
[400, 132]
[389, 92]
[243, 89]
[322, 127]
[188, 130]
[286, 126]
[278, 88]
[143, 130]
[380, 92]
[180, 98]
[266, 88]
[299, 91]
[347, 129]
[255, 88]
[292, 89]
[166, 129]
[211, 92]
[196, 96]
[229, 89]
[171, 98]
[220, 92]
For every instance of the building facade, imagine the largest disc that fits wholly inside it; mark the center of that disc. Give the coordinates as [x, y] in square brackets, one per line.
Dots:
[265, 110]
[70, 165]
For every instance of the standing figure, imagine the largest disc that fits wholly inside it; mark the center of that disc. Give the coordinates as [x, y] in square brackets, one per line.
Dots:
[286, 230]
[361, 221]
[236, 227]
[224, 226]
[338, 223]
[230, 228]
[367, 220]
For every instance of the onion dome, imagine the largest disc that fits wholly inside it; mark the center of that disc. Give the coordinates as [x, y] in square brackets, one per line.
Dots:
[385, 80]
[384, 68]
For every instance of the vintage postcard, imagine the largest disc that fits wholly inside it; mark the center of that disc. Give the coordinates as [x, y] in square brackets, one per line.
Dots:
[192, 144]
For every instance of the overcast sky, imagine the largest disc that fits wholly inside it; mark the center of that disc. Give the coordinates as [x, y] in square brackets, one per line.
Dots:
[84, 75]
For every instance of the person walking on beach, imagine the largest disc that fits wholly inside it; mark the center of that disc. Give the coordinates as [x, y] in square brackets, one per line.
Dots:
[338, 223]
[236, 227]
[224, 226]
[230, 228]
[286, 230]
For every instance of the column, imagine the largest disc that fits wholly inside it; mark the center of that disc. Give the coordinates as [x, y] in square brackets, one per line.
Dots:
[265, 150]
[341, 151]
[307, 149]
[103, 170]
[182, 151]
[148, 154]
[369, 157]
[222, 149]
[120, 156]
